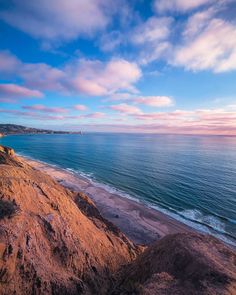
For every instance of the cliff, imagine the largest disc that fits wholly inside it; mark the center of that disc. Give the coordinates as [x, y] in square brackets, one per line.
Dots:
[55, 241]
[48, 245]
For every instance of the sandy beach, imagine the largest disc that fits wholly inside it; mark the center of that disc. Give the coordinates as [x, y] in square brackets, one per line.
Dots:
[141, 224]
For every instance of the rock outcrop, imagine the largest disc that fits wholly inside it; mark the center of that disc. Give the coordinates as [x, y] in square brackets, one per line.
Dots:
[6, 150]
[55, 241]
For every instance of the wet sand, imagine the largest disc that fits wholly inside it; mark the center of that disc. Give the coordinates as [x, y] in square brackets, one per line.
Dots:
[141, 224]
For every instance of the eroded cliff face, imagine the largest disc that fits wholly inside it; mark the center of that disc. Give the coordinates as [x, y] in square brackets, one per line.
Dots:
[53, 241]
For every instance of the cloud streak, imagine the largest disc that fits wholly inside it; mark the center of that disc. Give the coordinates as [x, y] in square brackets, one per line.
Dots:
[45, 114]
[201, 121]
[16, 91]
[154, 101]
[44, 109]
[124, 108]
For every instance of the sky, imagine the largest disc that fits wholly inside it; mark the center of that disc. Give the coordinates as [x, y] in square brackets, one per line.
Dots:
[161, 66]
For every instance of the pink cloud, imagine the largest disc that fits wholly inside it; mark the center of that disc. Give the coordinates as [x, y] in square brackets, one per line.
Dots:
[97, 78]
[80, 107]
[43, 76]
[154, 101]
[206, 120]
[89, 87]
[39, 112]
[42, 108]
[88, 77]
[32, 115]
[212, 121]
[13, 90]
[126, 109]
[156, 128]
[38, 75]
[96, 115]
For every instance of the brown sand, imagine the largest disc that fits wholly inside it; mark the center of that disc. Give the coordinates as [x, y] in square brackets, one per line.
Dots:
[141, 224]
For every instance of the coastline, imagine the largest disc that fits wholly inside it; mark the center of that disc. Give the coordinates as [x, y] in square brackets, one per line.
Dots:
[142, 224]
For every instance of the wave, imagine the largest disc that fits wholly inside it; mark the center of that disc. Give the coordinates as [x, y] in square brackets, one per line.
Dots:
[192, 217]
[203, 223]
[109, 188]
[208, 220]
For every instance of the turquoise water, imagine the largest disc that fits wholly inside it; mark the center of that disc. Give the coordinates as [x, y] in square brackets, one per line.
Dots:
[192, 178]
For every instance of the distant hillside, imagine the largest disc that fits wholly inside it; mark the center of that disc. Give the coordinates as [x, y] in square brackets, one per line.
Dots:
[18, 129]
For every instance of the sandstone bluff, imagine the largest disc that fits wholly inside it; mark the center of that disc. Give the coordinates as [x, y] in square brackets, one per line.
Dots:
[55, 241]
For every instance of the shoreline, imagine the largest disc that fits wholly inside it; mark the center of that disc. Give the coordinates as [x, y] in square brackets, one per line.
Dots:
[140, 223]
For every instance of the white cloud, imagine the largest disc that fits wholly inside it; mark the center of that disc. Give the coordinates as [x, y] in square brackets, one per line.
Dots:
[179, 5]
[58, 19]
[153, 52]
[210, 46]
[152, 37]
[205, 40]
[153, 30]
[198, 21]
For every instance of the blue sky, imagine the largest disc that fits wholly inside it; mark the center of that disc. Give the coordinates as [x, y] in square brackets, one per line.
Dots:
[163, 66]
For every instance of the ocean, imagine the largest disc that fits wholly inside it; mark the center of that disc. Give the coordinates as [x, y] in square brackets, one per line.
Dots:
[191, 178]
